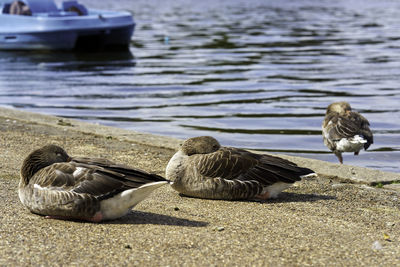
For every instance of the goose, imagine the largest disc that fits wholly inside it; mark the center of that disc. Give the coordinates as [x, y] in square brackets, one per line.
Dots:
[344, 130]
[89, 189]
[203, 168]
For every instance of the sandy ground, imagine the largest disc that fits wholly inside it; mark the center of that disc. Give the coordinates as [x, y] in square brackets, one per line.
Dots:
[341, 218]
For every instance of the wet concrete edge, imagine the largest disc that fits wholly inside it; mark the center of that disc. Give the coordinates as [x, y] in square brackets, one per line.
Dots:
[341, 173]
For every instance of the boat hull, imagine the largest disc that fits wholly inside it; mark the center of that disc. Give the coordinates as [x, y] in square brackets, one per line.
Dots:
[98, 30]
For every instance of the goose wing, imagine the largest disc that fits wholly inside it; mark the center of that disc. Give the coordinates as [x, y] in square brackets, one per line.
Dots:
[365, 131]
[347, 126]
[103, 177]
[96, 177]
[233, 163]
[226, 163]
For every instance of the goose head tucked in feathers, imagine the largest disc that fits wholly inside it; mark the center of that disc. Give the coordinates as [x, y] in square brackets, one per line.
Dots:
[339, 107]
[81, 188]
[344, 130]
[205, 169]
[42, 158]
[200, 145]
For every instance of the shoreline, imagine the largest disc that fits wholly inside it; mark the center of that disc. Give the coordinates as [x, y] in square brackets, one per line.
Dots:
[343, 173]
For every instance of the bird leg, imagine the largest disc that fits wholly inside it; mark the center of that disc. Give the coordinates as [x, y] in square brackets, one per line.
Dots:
[263, 196]
[339, 156]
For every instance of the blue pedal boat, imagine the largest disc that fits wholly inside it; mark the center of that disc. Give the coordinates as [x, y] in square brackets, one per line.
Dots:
[41, 25]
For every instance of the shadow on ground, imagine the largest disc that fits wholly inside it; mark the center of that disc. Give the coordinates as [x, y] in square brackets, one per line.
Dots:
[283, 198]
[296, 197]
[141, 217]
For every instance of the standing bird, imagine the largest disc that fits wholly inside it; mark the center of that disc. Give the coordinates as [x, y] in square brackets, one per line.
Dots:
[344, 130]
[203, 168]
[90, 189]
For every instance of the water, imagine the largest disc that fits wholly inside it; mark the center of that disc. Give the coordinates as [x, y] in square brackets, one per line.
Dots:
[254, 74]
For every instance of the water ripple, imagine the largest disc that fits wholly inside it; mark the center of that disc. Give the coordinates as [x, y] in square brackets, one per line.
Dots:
[254, 74]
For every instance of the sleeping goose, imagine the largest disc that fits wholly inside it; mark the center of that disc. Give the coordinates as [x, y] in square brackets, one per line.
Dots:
[344, 130]
[90, 189]
[203, 168]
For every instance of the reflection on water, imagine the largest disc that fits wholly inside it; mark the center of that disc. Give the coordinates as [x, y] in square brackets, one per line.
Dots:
[251, 73]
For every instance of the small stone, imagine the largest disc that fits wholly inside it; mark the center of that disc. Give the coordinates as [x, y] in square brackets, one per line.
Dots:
[64, 123]
[376, 245]
[390, 224]
[128, 247]
[220, 228]
[176, 208]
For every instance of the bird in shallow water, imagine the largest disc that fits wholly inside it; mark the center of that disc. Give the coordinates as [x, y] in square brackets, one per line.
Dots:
[344, 130]
[203, 168]
[90, 189]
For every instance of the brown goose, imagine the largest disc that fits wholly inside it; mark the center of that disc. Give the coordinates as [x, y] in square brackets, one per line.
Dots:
[203, 168]
[90, 189]
[344, 130]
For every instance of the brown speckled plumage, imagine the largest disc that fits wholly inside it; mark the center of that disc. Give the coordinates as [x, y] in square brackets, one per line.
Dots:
[54, 184]
[204, 169]
[341, 123]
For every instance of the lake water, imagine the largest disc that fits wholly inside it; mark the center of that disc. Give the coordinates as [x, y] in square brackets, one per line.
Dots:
[254, 74]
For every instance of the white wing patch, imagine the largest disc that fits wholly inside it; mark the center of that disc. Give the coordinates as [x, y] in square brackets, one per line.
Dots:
[275, 189]
[79, 171]
[58, 172]
[36, 186]
[353, 144]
